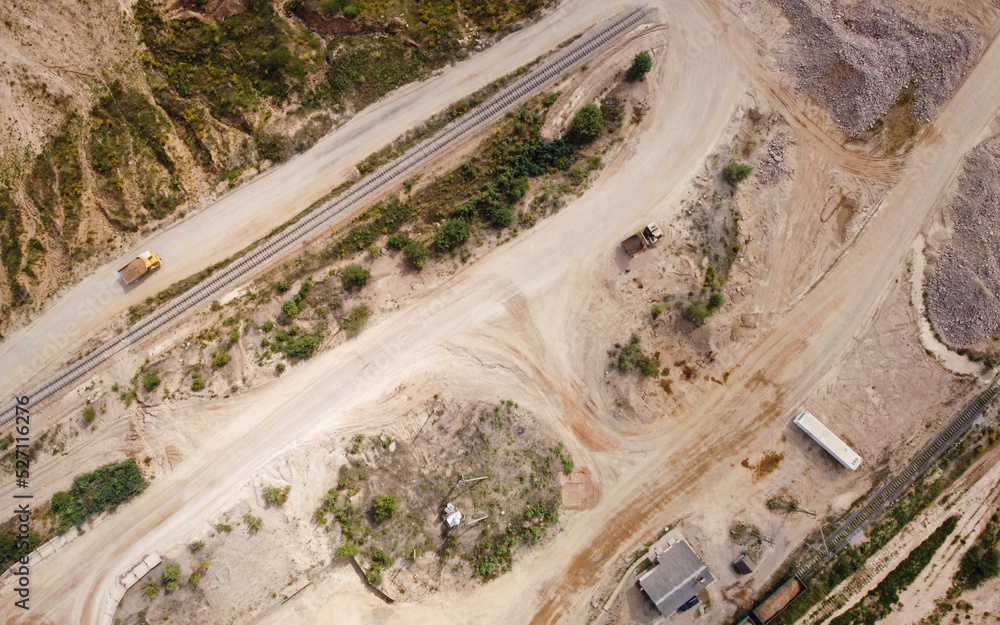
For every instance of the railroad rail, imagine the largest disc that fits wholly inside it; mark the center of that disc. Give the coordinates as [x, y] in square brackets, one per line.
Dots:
[889, 492]
[366, 191]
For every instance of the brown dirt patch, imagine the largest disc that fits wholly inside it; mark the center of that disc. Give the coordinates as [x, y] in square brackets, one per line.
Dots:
[579, 491]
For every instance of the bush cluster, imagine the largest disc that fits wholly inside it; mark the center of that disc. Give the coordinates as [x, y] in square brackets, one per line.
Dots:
[625, 358]
[94, 492]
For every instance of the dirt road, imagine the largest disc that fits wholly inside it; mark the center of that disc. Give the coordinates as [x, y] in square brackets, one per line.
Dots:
[254, 209]
[505, 316]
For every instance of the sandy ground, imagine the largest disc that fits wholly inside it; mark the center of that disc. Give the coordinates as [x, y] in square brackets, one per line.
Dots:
[504, 327]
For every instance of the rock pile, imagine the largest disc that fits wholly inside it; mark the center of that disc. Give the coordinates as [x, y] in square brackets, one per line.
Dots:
[964, 292]
[772, 166]
[856, 59]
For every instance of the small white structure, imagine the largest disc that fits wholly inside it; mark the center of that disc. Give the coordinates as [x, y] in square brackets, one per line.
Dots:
[452, 516]
[828, 440]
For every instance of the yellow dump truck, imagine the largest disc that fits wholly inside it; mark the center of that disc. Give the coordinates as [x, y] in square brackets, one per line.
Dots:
[143, 263]
[642, 239]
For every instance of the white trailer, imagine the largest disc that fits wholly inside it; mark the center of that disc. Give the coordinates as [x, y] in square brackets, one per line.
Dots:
[828, 440]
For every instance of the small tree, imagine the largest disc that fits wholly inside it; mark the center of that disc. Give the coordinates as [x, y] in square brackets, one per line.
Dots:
[354, 277]
[587, 125]
[384, 506]
[736, 172]
[641, 65]
[171, 573]
[453, 233]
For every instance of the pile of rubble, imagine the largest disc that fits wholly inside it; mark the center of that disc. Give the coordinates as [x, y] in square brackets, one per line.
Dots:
[964, 292]
[856, 59]
[772, 166]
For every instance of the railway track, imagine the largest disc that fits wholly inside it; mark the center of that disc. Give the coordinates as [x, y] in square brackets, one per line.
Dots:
[368, 190]
[889, 492]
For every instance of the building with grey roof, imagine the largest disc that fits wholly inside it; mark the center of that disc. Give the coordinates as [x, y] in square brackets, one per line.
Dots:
[678, 576]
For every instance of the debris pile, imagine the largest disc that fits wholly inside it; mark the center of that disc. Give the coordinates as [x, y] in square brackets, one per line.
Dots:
[773, 166]
[857, 58]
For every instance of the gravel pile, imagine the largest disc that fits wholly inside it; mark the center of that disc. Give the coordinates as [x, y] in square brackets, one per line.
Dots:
[964, 292]
[856, 59]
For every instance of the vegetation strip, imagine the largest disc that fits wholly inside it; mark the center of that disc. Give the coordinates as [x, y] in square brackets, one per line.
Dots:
[877, 604]
[101, 490]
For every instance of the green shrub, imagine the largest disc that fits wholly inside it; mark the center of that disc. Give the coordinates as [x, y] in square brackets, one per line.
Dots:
[197, 383]
[398, 241]
[453, 233]
[290, 309]
[354, 277]
[649, 365]
[658, 310]
[384, 506]
[347, 550]
[268, 326]
[279, 368]
[355, 320]
[219, 360]
[716, 300]
[224, 528]
[698, 312]
[275, 496]
[151, 590]
[330, 8]
[351, 11]
[587, 125]
[171, 573]
[416, 254]
[150, 381]
[736, 172]
[292, 345]
[194, 580]
[89, 414]
[641, 65]
[254, 523]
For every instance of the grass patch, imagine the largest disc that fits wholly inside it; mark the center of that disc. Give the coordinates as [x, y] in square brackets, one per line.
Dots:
[355, 320]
